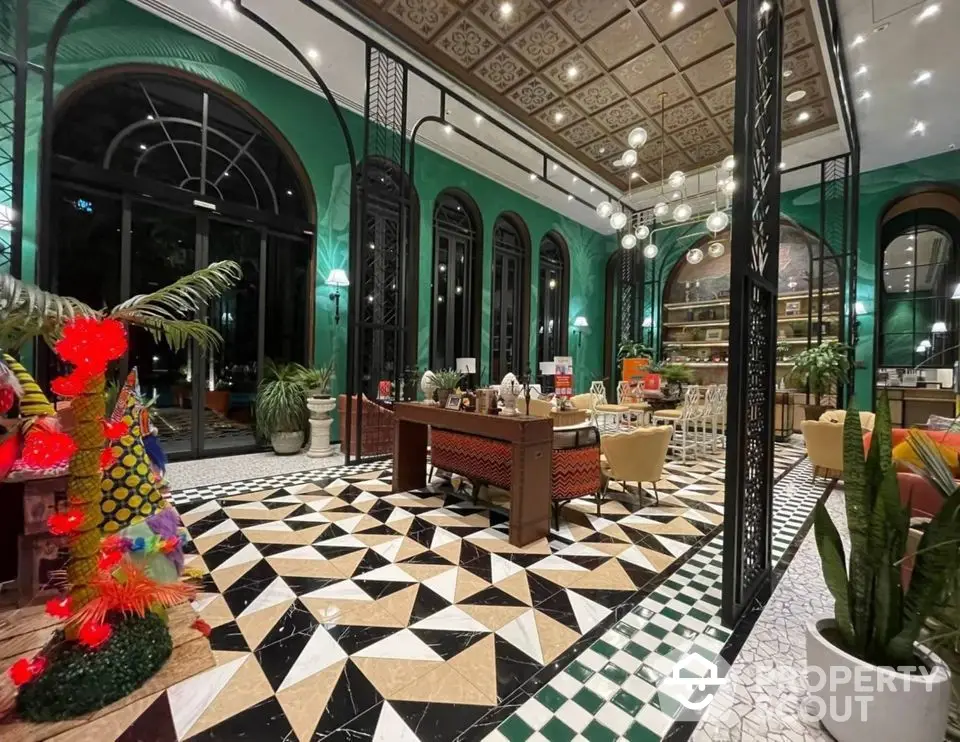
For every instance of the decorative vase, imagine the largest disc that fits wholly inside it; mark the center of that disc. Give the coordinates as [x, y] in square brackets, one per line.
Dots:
[286, 444]
[859, 702]
[320, 420]
[428, 384]
[509, 390]
[443, 395]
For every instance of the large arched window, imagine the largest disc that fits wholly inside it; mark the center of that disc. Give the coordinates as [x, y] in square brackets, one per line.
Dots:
[454, 331]
[154, 174]
[510, 312]
[552, 319]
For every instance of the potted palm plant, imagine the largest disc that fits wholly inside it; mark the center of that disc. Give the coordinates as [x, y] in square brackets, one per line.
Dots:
[281, 406]
[320, 404]
[446, 381]
[821, 369]
[674, 376]
[870, 678]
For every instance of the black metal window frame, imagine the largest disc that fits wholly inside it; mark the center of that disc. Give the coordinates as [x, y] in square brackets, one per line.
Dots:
[509, 345]
[553, 316]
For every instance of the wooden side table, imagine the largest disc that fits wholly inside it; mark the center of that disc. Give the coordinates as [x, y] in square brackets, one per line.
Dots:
[565, 418]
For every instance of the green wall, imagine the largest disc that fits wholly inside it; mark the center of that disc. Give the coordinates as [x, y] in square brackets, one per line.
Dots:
[114, 32]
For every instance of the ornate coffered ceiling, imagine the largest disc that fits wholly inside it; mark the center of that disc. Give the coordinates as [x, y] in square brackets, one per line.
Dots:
[583, 73]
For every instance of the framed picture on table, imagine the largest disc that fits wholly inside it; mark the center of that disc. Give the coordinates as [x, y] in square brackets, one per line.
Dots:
[454, 402]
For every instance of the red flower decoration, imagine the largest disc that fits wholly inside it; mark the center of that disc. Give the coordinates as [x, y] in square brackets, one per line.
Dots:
[91, 343]
[73, 384]
[114, 430]
[109, 560]
[107, 457]
[24, 670]
[93, 634]
[61, 524]
[113, 543]
[202, 626]
[45, 449]
[7, 398]
[59, 607]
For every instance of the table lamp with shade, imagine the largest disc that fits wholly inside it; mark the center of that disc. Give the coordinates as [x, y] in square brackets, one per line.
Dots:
[337, 278]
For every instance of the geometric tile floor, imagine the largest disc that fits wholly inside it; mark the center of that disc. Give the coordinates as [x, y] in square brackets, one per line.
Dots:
[342, 611]
[614, 689]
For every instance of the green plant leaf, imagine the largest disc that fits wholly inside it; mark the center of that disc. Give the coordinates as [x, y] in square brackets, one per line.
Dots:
[859, 511]
[833, 563]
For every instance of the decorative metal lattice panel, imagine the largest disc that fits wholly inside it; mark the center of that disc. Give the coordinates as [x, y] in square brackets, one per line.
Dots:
[753, 289]
[628, 299]
[13, 91]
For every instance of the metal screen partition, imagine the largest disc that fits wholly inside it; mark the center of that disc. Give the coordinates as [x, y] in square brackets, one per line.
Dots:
[748, 502]
[14, 43]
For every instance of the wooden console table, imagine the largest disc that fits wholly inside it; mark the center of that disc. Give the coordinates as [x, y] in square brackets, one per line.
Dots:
[529, 438]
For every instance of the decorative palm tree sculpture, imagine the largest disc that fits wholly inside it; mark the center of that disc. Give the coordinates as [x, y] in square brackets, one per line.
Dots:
[26, 312]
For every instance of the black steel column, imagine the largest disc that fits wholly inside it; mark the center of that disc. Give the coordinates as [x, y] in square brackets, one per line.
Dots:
[13, 115]
[755, 245]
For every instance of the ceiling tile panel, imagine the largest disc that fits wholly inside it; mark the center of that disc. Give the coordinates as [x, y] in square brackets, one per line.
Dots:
[598, 94]
[424, 17]
[572, 70]
[501, 70]
[668, 93]
[621, 40]
[664, 22]
[465, 42]
[502, 25]
[532, 95]
[713, 71]
[581, 133]
[702, 39]
[583, 73]
[587, 16]
[623, 114]
[544, 40]
[645, 70]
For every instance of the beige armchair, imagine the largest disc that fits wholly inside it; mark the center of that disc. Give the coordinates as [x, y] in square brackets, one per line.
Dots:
[824, 442]
[637, 456]
[538, 407]
[867, 419]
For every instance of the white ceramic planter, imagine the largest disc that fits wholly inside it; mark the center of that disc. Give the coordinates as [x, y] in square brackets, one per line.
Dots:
[859, 702]
[320, 420]
[286, 444]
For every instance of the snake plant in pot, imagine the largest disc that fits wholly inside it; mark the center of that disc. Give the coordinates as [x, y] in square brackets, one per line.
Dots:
[281, 406]
[869, 678]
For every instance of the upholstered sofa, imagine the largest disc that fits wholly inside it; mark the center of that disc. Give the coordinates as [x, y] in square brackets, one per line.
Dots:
[377, 430]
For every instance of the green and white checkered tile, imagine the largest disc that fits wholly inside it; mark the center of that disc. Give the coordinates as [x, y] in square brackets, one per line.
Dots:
[613, 691]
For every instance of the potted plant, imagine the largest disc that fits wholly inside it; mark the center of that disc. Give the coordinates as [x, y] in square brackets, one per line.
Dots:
[820, 368]
[446, 381]
[633, 349]
[282, 406]
[316, 381]
[871, 678]
[674, 376]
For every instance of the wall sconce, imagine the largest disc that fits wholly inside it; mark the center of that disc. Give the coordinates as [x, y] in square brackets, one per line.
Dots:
[859, 308]
[939, 327]
[647, 322]
[956, 292]
[580, 323]
[337, 278]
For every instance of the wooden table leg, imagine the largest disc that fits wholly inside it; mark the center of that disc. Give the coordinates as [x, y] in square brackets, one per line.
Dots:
[530, 492]
[409, 456]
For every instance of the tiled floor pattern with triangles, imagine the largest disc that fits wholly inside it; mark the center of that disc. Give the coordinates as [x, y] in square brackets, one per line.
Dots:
[343, 611]
[615, 689]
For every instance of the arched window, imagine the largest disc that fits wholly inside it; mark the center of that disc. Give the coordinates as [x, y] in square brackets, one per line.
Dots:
[156, 173]
[454, 333]
[510, 311]
[552, 320]
[388, 293]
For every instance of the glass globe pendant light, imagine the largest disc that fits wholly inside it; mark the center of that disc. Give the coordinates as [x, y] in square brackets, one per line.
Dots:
[650, 251]
[717, 221]
[604, 209]
[628, 241]
[618, 220]
[682, 213]
[729, 163]
[628, 158]
[661, 209]
[694, 255]
[676, 179]
[642, 231]
[637, 137]
[716, 249]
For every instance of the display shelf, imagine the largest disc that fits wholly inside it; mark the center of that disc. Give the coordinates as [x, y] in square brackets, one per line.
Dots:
[726, 302]
[725, 322]
[725, 343]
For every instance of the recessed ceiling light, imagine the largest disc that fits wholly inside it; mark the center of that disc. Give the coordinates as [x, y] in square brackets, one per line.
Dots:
[149, 117]
[533, 176]
[448, 130]
[592, 189]
[783, 165]
[909, 262]
[857, 40]
[573, 72]
[922, 77]
[803, 116]
[478, 119]
[886, 273]
[794, 95]
[919, 127]
[554, 167]
[575, 178]
[313, 54]
[558, 116]
[865, 95]
[143, 147]
[602, 150]
[787, 73]
[677, 8]
[861, 71]
[569, 197]
[506, 9]
[929, 12]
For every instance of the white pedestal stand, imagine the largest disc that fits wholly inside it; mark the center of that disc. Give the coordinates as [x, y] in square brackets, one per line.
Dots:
[320, 420]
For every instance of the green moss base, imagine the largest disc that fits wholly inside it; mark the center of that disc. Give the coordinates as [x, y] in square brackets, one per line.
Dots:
[78, 681]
